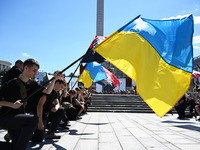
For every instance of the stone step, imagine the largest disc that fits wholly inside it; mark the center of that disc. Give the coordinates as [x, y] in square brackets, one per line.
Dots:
[119, 103]
[121, 108]
[114, 105]
[131, 111]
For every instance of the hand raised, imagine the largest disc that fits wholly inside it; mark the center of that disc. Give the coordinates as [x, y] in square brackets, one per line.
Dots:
[57, 75]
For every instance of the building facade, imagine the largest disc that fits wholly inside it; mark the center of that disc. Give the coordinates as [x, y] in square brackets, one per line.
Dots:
[4, 65]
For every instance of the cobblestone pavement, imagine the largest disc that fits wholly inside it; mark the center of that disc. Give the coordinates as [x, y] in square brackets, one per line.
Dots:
[125, 131]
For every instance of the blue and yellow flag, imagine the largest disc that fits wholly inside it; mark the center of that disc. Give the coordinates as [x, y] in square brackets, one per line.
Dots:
[93, 72]
[157, 55]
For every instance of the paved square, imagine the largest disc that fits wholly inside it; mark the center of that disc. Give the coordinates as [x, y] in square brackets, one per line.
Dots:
[125, 131]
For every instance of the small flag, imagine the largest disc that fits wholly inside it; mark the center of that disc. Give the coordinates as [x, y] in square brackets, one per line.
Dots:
[195, 74]
[93, 72]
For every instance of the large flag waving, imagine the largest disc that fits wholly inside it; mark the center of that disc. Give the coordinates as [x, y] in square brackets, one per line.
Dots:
[157, 55]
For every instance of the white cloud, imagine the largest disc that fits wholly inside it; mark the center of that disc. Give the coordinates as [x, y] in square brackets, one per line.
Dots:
[196, 39]
[25, 55]
[177, 17]
[196, 18]
[196, 51]
[196, 47]
[142, 25]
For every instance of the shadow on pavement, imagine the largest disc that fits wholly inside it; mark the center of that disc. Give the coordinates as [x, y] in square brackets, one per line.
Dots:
[189, 127]
[179, 122]
[38, 146]
[74, 132]
[96, 124]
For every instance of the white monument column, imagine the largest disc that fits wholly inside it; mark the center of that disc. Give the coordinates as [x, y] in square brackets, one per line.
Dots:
[100, 17]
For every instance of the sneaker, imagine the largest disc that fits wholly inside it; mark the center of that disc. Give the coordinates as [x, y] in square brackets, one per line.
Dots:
[198, 119]
[52, 136]
[194, 115]
[78, 117]
[7, 137]
[37, 139]
[64, 126]
[181, 117]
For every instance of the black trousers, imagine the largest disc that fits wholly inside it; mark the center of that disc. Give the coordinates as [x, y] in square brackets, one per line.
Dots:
[192, 105]
[181, 109]
[54, 118]
[20, 128]
[71, 113]
[78, 108]
[38, 135]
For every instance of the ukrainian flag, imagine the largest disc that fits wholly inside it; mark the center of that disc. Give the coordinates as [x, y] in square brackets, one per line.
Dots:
[157, 55]
[93, 72]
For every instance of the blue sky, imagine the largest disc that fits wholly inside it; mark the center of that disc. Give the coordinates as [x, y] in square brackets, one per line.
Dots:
[57, 32]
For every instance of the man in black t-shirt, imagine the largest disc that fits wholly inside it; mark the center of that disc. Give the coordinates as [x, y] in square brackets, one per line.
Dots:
[14, 72]
[43, 113]
[69, 109]
[12, 114]
[48, 109]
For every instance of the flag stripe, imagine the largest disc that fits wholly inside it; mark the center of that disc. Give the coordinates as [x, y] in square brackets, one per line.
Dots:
[112, 78]
[96, 71]
[85, 78]
[174, 49]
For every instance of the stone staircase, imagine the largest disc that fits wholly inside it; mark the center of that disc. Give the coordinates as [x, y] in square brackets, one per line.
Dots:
[119, 103]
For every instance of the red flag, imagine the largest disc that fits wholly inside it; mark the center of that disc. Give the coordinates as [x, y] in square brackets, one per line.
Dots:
[195, 75]
[198, 66]
[110, 82]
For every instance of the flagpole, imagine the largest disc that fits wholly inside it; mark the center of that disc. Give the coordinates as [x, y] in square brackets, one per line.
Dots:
[74, 84]
[74, 73]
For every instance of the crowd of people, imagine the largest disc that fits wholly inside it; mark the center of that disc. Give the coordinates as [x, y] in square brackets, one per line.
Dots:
[128, 91]
[31, 112]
